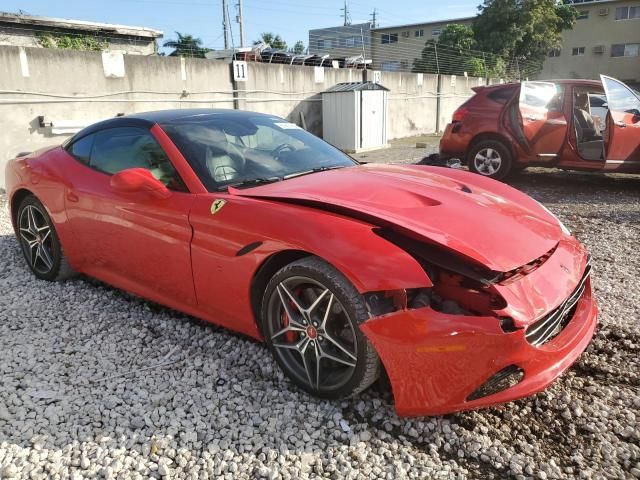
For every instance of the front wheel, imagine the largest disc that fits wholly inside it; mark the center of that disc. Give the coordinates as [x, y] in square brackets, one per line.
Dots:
[490, 158]
[310, 319]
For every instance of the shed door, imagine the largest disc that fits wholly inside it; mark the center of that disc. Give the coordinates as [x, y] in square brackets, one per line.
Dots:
[373, 118]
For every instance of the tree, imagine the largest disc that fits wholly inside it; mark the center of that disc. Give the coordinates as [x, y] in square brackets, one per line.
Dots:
[298, 48]
[522, 29]
[457, 36]
[186, 46]
[275, 41]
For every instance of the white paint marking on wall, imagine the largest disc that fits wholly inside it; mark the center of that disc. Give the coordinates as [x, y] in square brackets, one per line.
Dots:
[24, 63]
[281, 74]
[319, 74]
[377, 76]
[335, 64]
[183, 68]
[453, 80]
[480, 81]
[113, 64]
[420, 79]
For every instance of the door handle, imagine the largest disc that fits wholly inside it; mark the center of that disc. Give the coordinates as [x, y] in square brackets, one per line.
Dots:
[621, 124]
[531, 118]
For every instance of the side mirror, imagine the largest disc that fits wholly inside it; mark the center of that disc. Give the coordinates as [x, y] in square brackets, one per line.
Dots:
[141, 180]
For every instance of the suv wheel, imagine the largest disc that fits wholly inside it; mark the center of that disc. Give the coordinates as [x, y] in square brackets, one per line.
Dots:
[490, 158]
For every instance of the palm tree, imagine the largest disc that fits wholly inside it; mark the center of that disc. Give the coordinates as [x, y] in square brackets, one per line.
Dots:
[275, 41]
[186, 46]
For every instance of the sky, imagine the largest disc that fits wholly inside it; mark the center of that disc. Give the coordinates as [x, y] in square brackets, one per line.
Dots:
[203, 18]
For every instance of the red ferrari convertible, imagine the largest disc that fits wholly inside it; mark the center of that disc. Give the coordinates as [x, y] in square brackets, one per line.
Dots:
[464, 291]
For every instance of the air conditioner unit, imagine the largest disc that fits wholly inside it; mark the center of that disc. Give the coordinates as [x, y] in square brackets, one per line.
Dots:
[598, 49]
[603, 11]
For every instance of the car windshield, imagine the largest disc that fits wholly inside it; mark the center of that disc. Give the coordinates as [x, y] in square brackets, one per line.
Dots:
[241, 151]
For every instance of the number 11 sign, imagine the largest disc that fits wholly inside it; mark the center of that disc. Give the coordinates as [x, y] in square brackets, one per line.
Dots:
[240, 71]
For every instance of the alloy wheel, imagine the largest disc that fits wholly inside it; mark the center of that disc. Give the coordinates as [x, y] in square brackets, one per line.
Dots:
[312, 334]
[36, 239]
[487, 161]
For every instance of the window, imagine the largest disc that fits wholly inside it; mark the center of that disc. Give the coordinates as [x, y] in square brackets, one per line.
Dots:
[230, 149]
[620, 97]
[501, 95]
[328, 43]
[353, 42]
[419, 33]
[81, 149]
[389, 38]
[555, 52]
[542, 95]
[390, 66]
[404, 64]
[435, 32]
[628, 13]
[116, 149]
[583, 14]
[625, 50]
[577, 51]
[406, 34]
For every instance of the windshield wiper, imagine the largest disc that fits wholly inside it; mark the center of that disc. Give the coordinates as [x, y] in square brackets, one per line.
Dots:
[313, 170]
[251, 182]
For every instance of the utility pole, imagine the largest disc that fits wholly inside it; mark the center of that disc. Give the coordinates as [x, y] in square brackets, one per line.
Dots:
[373, 18]
[225, 26]
[347, 17]
[239, 20]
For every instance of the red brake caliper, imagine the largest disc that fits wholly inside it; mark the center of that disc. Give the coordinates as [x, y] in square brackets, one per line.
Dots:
[290, 336]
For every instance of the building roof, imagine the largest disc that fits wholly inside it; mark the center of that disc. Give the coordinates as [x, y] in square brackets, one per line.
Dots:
[433, 22]
[355, 87]
[63, 23]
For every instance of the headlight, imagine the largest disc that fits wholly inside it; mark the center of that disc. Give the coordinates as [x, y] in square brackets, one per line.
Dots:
[563, 227]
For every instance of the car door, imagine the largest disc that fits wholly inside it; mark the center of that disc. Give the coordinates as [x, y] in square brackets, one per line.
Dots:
[542, 118]
[622, 142]
[132, 240]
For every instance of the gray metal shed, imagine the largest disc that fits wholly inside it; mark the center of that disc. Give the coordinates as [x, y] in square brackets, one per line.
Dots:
[354, 116]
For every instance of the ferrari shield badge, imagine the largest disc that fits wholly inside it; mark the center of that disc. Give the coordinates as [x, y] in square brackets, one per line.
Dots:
[217, 205]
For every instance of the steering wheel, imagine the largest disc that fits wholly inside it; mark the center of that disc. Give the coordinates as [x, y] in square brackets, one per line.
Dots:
[280, 149]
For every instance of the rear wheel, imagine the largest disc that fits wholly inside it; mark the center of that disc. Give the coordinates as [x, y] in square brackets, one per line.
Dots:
[490, 158]
[39, 241]
[310, 320]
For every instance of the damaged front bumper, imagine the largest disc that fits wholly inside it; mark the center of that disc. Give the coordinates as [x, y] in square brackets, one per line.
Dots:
[439, 363]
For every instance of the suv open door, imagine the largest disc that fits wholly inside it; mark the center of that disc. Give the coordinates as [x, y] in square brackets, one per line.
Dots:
[623, 139]
[543, 120]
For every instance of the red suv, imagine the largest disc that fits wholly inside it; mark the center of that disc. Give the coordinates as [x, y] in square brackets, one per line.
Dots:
[569, 124]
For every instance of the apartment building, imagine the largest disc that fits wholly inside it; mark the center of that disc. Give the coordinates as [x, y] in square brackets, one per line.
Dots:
[605, 39]
[395, 48]
[343, 41]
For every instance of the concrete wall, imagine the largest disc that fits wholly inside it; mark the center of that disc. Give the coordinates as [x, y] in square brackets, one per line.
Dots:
[64, 85]
[412, 103]
[289, 91]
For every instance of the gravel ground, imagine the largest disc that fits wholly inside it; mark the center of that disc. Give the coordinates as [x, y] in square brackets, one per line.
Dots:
[99, 384]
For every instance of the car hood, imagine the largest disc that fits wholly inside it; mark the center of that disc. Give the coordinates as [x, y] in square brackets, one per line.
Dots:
[490, 222]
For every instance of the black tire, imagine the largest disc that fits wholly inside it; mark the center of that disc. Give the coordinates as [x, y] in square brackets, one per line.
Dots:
[497, 163]
[344, 304]
[45, 256]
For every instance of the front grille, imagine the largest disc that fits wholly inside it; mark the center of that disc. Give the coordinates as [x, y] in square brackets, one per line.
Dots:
[552, 324]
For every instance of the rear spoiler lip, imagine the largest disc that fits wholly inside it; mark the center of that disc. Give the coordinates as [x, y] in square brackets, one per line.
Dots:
[479, 88]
